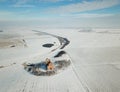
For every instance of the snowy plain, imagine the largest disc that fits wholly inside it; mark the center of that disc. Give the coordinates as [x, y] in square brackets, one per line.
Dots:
[94, 55]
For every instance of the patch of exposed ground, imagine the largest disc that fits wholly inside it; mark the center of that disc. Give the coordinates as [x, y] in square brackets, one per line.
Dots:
[10, 40]
[59, 65]
[36, 69]
[10, 43]
[2, 66]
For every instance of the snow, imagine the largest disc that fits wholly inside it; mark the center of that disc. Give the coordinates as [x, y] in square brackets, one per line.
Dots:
[94, 56]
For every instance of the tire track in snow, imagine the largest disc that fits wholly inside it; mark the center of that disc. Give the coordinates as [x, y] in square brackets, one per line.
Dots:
[86, 88]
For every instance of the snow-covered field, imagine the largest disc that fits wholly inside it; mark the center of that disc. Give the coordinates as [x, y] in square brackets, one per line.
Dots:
[94, 56]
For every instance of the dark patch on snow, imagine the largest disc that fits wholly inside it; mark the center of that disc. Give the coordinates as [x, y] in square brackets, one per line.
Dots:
[59, 54]
[12, 46]
[61, 64]
[1, 30]
[48, 45]
[66, 42]
[63, 41]
[35, 69]
[1, 66]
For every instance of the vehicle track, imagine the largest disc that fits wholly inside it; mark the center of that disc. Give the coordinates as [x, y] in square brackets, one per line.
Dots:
[86, 88]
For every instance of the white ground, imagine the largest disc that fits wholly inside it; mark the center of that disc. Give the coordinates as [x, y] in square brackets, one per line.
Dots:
[95, 62]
